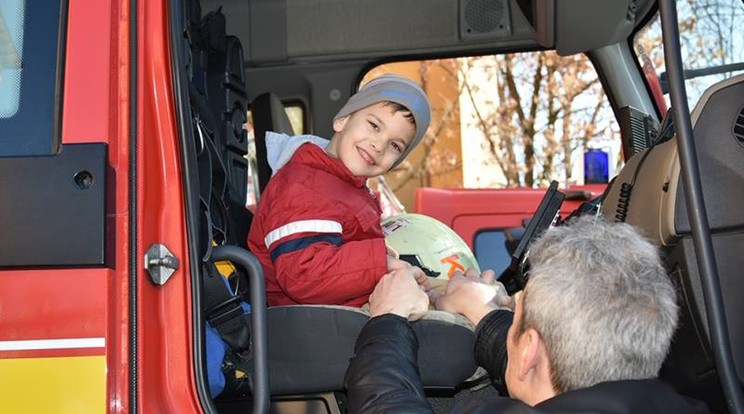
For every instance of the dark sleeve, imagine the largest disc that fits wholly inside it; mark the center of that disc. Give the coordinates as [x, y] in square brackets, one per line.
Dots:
[490, 345]
[383, 375]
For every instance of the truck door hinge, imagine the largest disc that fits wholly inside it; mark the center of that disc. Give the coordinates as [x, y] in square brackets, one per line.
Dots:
[160, 263]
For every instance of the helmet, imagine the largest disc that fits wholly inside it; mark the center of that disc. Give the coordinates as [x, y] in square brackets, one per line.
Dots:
[429, 244]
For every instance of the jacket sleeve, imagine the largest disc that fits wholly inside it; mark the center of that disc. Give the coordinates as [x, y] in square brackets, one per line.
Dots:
[490, 346]
[383, 375]
[311, 263]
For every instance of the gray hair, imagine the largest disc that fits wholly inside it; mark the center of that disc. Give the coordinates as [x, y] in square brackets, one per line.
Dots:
[601, 300]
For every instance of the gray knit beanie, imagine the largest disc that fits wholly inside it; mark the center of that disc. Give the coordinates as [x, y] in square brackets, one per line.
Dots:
[393, 88]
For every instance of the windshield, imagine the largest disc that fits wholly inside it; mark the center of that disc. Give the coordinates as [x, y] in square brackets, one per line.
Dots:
[510, 120]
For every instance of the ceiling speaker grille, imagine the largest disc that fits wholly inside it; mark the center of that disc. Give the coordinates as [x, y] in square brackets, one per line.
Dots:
[484, 18]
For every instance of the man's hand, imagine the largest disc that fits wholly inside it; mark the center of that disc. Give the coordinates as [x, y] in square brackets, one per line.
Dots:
[399, 293]
[473, 295]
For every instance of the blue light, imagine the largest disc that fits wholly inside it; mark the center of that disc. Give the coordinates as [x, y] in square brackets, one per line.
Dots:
[596, 167]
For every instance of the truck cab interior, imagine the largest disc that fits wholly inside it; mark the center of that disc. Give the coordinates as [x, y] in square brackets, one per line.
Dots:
[235, 56]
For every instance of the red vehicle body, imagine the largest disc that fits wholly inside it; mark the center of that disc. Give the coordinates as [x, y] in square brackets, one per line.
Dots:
[483, 217]
[89, 308]
[90, 321]
[468, 211]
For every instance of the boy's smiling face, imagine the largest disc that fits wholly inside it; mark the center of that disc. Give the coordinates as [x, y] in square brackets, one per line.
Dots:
[370, 140]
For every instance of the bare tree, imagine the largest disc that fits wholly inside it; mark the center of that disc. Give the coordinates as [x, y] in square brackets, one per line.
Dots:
[532, 110]
[546, 107]
[708, 38]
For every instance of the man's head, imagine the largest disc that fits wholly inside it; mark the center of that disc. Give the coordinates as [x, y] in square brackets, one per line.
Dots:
[598, 307]
[380, 125]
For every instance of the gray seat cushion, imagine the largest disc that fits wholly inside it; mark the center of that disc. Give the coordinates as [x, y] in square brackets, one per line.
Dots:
[310, 347]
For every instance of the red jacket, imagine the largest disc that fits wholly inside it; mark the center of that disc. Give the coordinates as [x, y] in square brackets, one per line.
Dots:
[317, 233]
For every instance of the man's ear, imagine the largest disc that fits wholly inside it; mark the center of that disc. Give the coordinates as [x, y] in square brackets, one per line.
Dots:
[531, 353]
[339, 123]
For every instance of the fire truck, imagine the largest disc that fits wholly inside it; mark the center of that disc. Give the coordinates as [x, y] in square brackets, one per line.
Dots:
[125, 170]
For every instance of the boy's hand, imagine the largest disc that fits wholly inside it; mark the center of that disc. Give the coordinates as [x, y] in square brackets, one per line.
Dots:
[421, 278]
[390, 251]
[395, 264]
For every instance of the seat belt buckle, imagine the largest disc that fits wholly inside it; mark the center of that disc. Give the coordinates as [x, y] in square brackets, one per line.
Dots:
[225, 311]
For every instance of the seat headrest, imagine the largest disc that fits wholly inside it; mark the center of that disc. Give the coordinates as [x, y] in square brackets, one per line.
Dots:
[640, 194]
[269, 114]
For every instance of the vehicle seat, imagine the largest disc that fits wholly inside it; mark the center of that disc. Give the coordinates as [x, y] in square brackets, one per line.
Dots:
[268, 115]
[648, 193]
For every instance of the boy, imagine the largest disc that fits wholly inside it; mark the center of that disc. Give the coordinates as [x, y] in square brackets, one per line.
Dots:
[317, 228]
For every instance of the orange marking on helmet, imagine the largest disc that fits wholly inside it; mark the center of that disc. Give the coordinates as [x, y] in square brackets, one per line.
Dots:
[455, 265]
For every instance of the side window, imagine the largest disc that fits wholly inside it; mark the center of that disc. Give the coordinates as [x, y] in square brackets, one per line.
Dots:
[11, 51]
[490, 250]
[30, 83]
